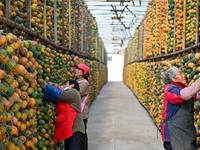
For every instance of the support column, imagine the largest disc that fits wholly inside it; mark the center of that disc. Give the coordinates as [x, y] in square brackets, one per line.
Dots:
[29, 14]
[174, 46]
[143, 52]
[74, 26]
[96, 47]
[70, 26]
[141, 36]
[87, 40]
[82, 30]
[197, 23]
[102, 51]
[55, 23]
[45, 19]
[63, 25]
[89, 35]
[138, 44]
[8, 11]
[184, 19]
[103, 54]
[85, 31]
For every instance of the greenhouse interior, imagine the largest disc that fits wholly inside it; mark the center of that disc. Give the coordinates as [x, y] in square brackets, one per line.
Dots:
[99, 74]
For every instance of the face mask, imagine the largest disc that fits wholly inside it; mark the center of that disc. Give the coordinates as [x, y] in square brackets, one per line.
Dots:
[66, 88]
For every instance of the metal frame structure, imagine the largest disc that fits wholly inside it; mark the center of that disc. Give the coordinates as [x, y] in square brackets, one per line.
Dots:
[123, 13]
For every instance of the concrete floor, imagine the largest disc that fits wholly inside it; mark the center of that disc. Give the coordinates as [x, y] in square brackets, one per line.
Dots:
[117, 121]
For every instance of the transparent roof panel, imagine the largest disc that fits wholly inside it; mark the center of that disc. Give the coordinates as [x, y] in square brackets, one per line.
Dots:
[117, 21]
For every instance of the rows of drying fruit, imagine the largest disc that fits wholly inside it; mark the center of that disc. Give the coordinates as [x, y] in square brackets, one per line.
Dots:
[26, 121]
[78, 29]
[169, 29]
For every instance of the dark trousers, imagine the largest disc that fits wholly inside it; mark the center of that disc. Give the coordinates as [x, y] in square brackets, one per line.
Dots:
[167, 145]
[84, 141]
[74, 142]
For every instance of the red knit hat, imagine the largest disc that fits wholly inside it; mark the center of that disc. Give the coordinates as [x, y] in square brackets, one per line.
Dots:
[84, 67]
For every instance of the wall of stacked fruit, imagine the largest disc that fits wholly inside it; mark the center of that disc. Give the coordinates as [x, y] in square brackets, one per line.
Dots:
[169, 29]
[159, 22]
[179, 25]
[26, 120]
[140, 41]
[136, 45]
[75, 29]
[134, 48]
[163, 26]
[129, 52]
[170, 26]
[94, 37]
[191, 22]
[155, 30]
[135, 79]
[148, 32]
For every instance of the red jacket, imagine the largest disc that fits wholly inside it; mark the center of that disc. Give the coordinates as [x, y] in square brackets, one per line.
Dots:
[64, 121]
[68, 109]
[172, 103]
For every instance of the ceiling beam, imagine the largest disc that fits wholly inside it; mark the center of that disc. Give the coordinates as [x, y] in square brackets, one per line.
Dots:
[120, 10]
[125, 19]
[125, 16]
[108, 22]
[114, 21]
[100, 5]
[95, 9]
[104, 1]
[117, 17]
[115, 24]
[107, 18]
[121, 39]
[118, 0]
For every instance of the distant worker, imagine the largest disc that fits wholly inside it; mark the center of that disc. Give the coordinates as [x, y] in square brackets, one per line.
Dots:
[81, 74]
[178, 131]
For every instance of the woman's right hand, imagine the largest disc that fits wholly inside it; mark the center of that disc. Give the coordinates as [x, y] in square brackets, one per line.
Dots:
[44, 84]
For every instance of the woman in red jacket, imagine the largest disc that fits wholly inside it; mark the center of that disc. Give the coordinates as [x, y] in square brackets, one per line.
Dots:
[69, 123]
[178, 131]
